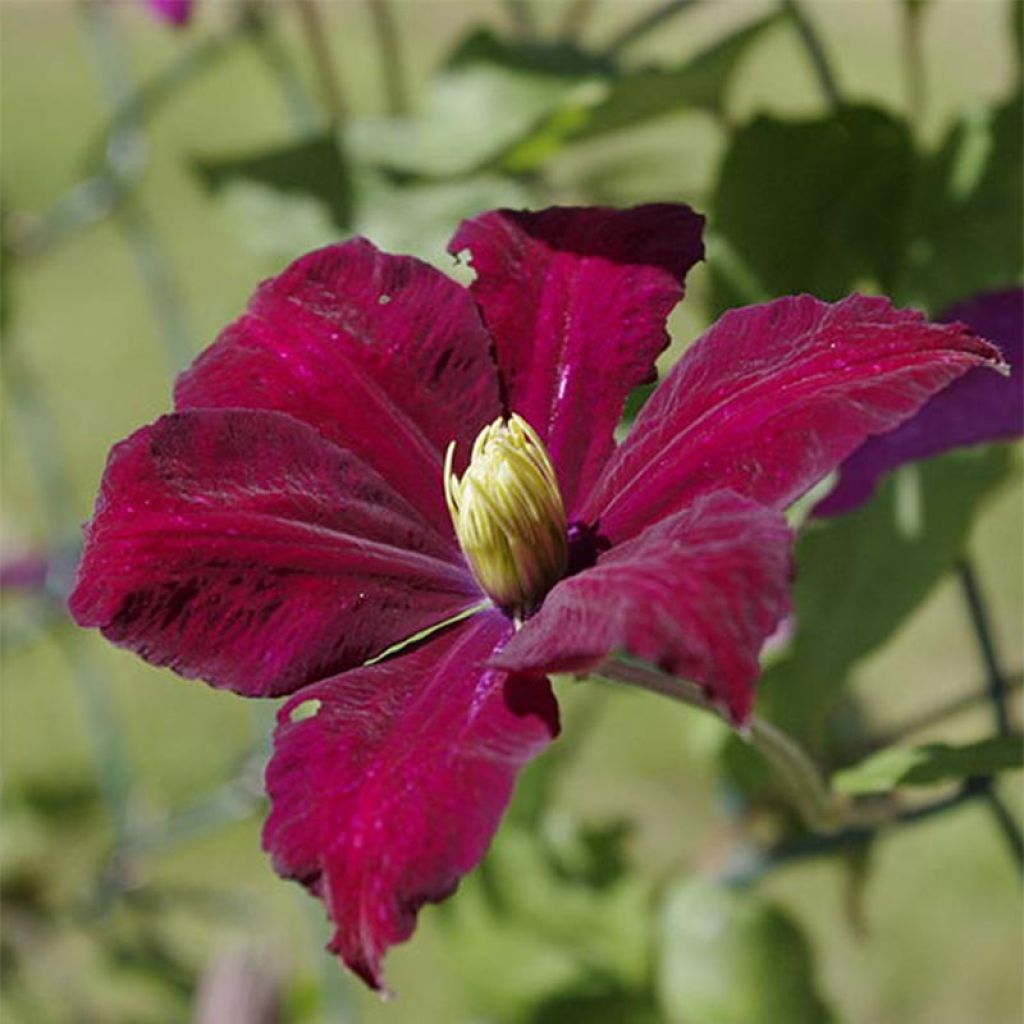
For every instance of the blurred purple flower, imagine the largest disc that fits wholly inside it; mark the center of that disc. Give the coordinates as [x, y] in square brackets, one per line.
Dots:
[979, 407]
[289, 522]
[175, 12]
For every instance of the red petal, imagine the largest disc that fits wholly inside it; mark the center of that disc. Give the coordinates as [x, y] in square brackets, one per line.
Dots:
[391, 792]
[981, 406]
[241, 547]
[384, 355]
[576, 300]
[772, 398]
[697, 594]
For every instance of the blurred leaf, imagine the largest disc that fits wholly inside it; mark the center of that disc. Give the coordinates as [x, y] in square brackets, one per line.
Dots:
[931, 764]
[420, 218]
[557, 928]
[283, 201]
[860, 576]
[967, 221]
[490, 95]
[810, 206]
[627, 99]
[728, 957]
[614, 1006]
[517, 103]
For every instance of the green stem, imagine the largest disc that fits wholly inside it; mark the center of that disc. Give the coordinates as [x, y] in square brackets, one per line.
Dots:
[913, 62]
[646, 24]
[317, 41]
[819, 808]
[301, 109]
[815, 51]
[127, 154]
[1009, 827]
[575, 18]
[978, 612]
[817, 845]
[523, 19]
[385, 26]
[939, 714]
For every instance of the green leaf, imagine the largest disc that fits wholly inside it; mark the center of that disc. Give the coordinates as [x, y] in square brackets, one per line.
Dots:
[554, 907]
[701, 83]
[815, 206]
[286, 200]
[419, 218]
[490, 95]
[728, 957]
[860, 576]
[624, 100]
[967, 221]
[517, 103]
[930, 764]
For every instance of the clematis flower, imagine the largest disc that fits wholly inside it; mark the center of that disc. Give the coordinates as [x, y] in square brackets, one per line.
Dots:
[979, 407]
[373, 452]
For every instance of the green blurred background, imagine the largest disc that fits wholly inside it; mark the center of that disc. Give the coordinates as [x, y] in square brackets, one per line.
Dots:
[939, 938]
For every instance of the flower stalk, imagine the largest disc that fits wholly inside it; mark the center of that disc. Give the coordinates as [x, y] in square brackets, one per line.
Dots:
[819, 807]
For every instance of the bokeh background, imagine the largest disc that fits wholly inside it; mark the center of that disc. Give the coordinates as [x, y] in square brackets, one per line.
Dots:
[110, 288]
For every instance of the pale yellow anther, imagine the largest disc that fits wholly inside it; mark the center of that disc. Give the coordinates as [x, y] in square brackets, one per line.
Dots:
[508, 514]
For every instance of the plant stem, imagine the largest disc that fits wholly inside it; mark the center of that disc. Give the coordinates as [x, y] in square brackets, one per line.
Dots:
[938, 714]
[320, 52]
[913, 62]
[815, 51]
[817, 845]
[820, 809]
[647, 23]
[977, 610]
[574, 19]
[524, 21]
[293, 92]
[126, 152]
[390, 53]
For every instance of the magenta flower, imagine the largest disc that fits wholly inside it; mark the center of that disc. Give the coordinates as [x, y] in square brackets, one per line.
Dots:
[977, 408]
[175, 12]
[297, 517]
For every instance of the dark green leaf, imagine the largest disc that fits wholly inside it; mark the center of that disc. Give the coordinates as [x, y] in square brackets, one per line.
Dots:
[810, 206]
[286, 200]
[728, 957]
[626, 99]
[931, 764]
[860, 576]
[490, 96]
[967, 224]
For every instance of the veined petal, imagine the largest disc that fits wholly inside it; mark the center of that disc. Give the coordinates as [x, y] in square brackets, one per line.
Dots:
[978, 407]
[242, 547]
[697, 594]
[392, 790]
[576, 300]
[383, 354]
[772, 398]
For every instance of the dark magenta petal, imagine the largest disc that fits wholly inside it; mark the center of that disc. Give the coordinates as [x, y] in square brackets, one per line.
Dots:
[174, 12]
[384, 355]
[576, 300]
[241, 547]
[771, 399]
[391, 791]
[980, 406]
[697, 594]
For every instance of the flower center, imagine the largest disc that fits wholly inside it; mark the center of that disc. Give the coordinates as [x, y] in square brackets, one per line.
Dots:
[508, 514]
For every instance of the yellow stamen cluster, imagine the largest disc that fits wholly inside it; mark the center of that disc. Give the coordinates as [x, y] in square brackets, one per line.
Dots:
[508, 514]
